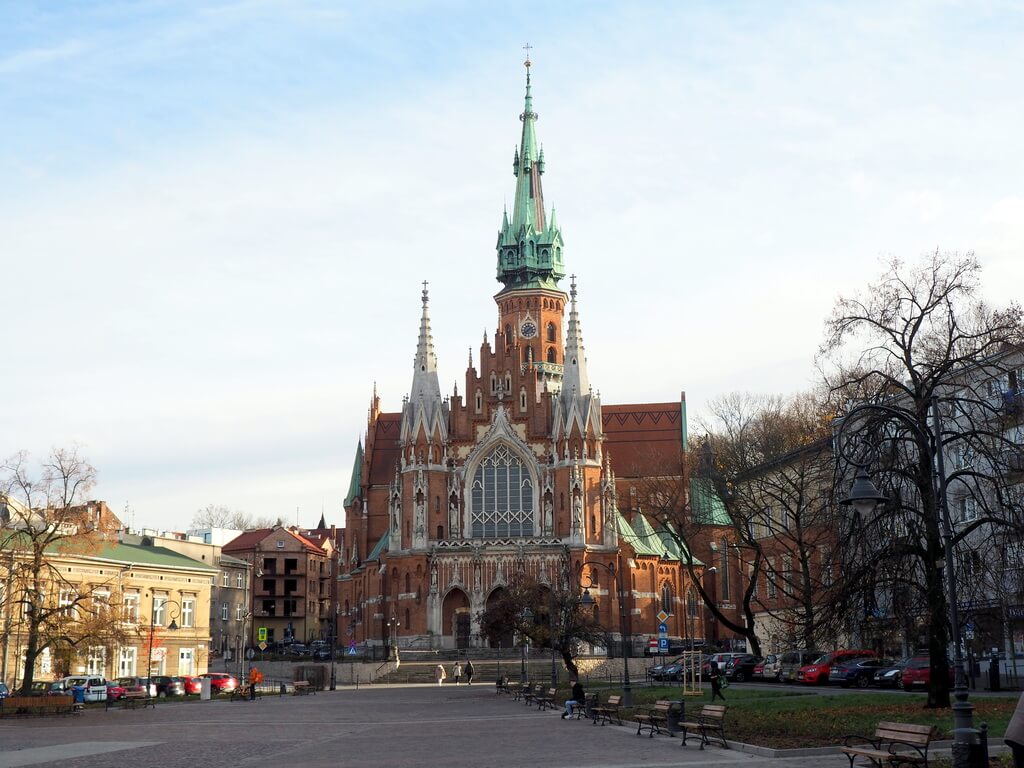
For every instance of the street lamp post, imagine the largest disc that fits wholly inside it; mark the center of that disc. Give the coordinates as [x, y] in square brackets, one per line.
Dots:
[393, 625]
[173, 626]
[864, 497]
[527, 618]
[587, 600]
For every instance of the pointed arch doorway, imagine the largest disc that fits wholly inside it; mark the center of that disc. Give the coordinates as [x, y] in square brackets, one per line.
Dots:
[456, 619]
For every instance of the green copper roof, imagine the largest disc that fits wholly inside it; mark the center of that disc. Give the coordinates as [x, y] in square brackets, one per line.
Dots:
[530, 245]
[674, 548]
[378, 549]
[708, 508]
[356, 481]
[640, 536]
[115, 551]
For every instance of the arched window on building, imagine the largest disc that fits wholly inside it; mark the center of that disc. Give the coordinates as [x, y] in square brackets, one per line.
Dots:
[408, 582]
[502, 497]
[666, 598]
[406, 620]
[508, 335]
[440, 532]
[691, 604]
[552, 332]
[552, 355]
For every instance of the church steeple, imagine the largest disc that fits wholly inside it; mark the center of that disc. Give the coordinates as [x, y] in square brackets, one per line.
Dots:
[424, 407]
[530, 246]
[574, 377]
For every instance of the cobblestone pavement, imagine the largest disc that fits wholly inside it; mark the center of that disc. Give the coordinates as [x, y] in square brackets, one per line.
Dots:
[395, 727]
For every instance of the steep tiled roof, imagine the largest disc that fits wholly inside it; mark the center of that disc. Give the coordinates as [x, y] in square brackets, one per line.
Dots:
[707, 506]
[248, 540]
[644, 439]
[386, 451]
[356, 480]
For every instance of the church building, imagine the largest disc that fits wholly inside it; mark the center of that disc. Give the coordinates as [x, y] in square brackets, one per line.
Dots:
[521, 472]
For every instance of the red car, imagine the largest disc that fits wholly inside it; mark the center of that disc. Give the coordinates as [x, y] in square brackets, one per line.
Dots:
[114, 691]
[193, 685]
[918, 672]
[816, 673]
[221, 682]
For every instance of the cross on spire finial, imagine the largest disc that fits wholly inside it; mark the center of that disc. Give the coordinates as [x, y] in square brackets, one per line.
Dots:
[424, 291]
[527, 48]
[572, 286]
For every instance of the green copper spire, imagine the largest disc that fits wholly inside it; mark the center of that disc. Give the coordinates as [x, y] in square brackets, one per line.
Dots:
[530, 246]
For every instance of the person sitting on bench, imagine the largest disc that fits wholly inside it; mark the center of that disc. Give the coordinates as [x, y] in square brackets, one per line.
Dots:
[578, 698]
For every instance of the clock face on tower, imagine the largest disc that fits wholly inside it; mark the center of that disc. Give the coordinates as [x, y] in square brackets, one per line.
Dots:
[528, 330]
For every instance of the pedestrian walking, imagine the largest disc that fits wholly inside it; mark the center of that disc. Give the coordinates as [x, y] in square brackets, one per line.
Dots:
[716, 682]
[457, 671]
[469, 672]
[440, 674]
[578, 698]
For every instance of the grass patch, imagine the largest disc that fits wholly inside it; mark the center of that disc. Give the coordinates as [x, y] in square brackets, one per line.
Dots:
[790, 718]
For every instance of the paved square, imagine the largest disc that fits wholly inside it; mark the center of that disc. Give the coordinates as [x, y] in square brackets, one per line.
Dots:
[372, 727]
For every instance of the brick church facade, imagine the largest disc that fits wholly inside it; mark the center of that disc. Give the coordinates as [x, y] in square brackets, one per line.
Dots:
[521, 472]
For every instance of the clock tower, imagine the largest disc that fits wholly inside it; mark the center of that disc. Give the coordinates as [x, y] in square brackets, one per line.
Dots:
[531, 306]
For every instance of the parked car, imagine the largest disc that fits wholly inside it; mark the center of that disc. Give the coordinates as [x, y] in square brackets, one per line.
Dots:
[323, 653]
[221, 682]
[137, 684]
[298, 649]
[741, 668]
[658, 670]
[4, 691]
[768, 668]
[918, 672]
[816, 673]
[193, 685]
[790, 663]
[890, 677]
[114, 691]
[47, 688]
[168, 686]
[858, 672]
[95, 686]
[721, 659]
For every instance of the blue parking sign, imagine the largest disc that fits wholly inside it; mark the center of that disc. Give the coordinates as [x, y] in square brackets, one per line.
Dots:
[662, 643]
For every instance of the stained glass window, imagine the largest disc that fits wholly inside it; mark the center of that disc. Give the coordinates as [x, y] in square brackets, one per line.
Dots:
[502, 497]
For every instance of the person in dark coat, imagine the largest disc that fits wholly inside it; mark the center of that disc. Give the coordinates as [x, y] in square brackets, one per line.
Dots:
[470, 671]
[578, 698]
[716, 682]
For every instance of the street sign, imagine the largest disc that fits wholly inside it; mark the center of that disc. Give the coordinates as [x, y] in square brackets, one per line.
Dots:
[261, 634]
[351, 650]
[663, 645]
[250, 653]
[263, 646]
[663, 628]
[968, 631]
[652, 642]
[662, 617]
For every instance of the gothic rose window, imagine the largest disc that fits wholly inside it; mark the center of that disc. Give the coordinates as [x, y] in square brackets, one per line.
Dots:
[502, 497]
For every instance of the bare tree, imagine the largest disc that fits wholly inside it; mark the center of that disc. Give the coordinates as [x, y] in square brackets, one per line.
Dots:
[220, 516]
[45, 518]
[919, 342]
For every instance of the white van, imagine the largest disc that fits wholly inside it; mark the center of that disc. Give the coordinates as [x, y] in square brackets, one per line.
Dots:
[95, 686]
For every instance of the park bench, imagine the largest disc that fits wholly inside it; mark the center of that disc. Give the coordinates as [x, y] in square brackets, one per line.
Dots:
[709, 721]
[608, 711]
[501, 685]
[37, 705]
[519, 690]
[302, 688]
[546, 700]
[530, 694]
[582, 709]
[654, 719]
[893, 743]
[132, 699]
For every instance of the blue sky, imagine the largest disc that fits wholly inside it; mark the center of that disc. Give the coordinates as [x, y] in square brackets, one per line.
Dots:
[214, 218]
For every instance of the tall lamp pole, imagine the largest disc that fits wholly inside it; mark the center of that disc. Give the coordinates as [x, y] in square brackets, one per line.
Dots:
[173, 627]
[527, 617]
[864, 497]
[587, 600]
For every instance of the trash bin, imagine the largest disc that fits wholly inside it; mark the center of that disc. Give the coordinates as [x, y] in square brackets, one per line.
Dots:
[676, 714]
[993, 673]
[78, 694]
[205, 689]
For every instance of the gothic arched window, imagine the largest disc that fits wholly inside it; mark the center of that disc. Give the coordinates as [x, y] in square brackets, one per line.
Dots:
[552, 331]
[502, 497]
[666, 598]
[552, 355]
